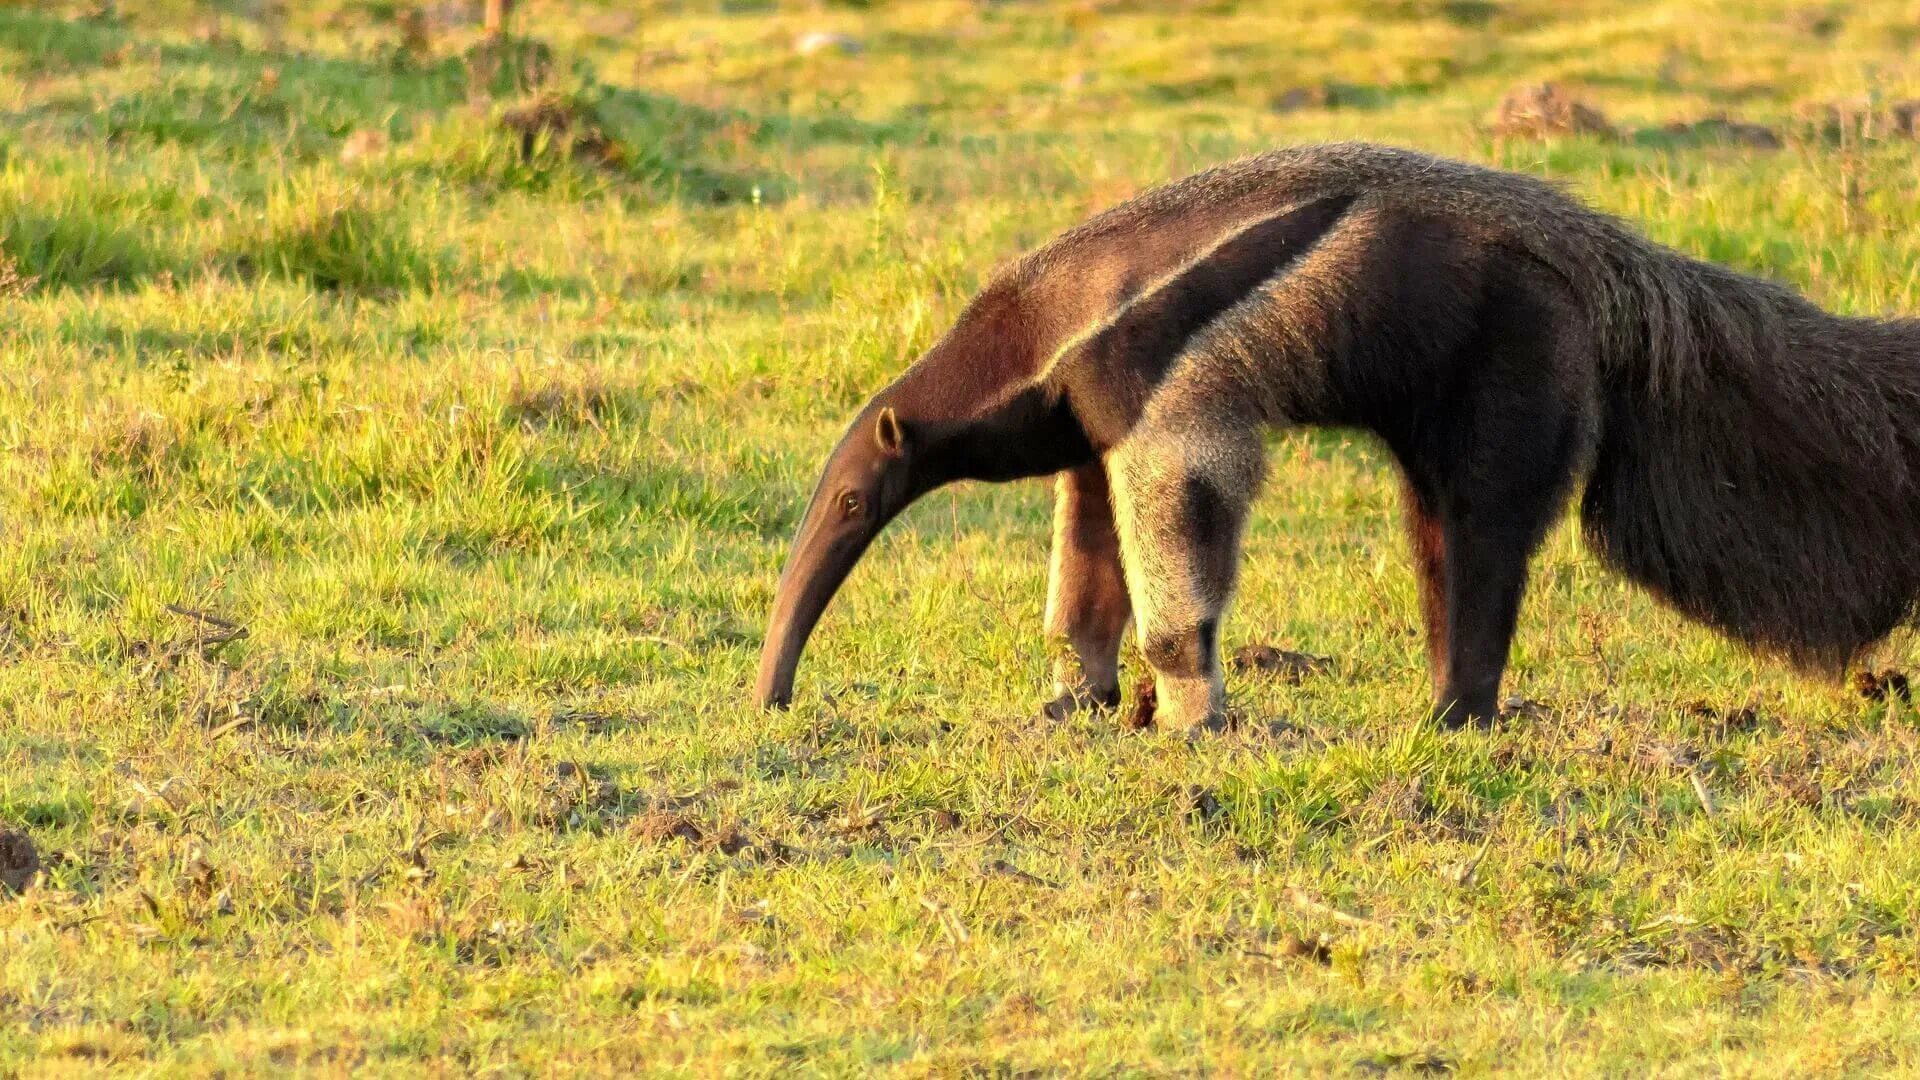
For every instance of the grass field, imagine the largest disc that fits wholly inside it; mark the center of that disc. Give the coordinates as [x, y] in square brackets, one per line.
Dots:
[490, 436]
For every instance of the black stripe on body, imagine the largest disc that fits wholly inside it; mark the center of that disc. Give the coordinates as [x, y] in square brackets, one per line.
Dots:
[1109, 375]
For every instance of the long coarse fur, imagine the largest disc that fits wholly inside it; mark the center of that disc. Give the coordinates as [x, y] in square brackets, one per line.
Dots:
[1750, 458]
[1756, 460]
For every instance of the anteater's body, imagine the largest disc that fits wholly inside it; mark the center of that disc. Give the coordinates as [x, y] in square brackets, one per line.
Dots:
[1747, 456]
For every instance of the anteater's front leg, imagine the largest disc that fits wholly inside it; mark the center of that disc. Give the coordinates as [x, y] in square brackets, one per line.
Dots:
[1181, 498]
[1087, 603]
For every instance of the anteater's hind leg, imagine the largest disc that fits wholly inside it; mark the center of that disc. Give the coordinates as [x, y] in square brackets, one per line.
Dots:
[1427, 535]
[1486, 578]
[1087, 603]
[1496, 504]
[1181, 497]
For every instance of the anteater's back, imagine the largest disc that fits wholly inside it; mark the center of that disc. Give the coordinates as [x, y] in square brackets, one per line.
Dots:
[1758, 460]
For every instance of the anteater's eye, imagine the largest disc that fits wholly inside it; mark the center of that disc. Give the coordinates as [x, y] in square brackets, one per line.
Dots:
[850, 504]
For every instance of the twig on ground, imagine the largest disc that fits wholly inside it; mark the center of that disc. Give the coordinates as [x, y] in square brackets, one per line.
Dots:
[1299, 898]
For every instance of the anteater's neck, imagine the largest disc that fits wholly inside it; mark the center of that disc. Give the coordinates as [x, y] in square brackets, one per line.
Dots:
[979, 403]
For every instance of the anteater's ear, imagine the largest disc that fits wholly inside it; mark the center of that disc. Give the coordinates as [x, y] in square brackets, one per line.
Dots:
[889, 435]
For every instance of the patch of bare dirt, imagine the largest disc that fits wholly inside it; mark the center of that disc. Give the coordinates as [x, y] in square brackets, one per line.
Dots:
[1721, 128]
[1288, 667]
[660, 826]
[1547, 110]
[19, 862]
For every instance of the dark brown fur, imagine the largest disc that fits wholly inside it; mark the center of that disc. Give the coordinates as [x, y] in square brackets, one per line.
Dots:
[1748, 457]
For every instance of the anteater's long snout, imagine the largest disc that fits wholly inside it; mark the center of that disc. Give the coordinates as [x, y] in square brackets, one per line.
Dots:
[824, 553]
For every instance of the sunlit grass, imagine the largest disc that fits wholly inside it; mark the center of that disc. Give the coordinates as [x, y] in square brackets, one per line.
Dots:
[495, 455]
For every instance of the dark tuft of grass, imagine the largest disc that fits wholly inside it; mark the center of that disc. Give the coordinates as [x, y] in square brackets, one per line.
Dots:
[337, 237]
[61, 233]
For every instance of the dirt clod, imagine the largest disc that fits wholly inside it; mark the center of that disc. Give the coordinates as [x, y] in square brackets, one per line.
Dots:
[660, 826]
[1203, 805]
[1882, 685]
[1544, 111]
[19, 862]
[1315, 949]
[729, 840]
[1523, 708]
[1723, 129]
[561, 124]
[1289, 667]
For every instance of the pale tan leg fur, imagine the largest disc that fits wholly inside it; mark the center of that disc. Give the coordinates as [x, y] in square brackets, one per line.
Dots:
[1181, 491]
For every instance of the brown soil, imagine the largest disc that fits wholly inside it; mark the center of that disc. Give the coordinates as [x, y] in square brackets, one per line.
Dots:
[660, 826]
[1291, 667]
[1545, 111]
[19, 862]
[1721, 128]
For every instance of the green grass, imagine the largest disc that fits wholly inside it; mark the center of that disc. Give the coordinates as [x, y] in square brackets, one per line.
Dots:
[495, 457]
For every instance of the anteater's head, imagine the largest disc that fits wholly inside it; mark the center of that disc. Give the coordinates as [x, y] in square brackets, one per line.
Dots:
[974, 407]
[870, 477]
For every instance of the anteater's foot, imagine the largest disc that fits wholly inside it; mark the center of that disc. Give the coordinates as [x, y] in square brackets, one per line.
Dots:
[1458, 713]
[1218, 723]
[1076, 699]
[1194, 706]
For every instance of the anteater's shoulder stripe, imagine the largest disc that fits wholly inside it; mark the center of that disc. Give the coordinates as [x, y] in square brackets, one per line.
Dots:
[1149, 327]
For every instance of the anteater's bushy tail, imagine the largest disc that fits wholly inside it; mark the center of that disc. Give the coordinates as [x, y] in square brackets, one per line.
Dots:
[1759, 460]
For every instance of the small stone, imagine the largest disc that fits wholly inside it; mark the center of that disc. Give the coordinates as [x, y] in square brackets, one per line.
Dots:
[819, 41]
